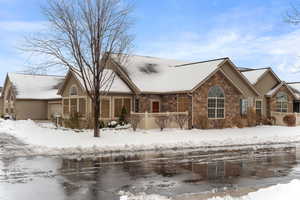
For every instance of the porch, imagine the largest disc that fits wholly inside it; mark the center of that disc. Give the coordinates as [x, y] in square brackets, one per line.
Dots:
[149, 120]
[279, 117]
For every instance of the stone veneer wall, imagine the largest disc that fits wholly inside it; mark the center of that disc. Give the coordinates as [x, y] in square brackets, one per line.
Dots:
[272, 100]
[232, 100]
[168, 103]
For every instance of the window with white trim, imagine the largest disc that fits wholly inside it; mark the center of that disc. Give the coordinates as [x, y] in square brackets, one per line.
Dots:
[244, 105]
[258, 107]
[120, 103]
[281, 102]
[73, 91]
[216, 103]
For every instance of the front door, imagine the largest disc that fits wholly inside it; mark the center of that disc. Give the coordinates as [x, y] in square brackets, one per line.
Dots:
[296, 107]
[155, 106]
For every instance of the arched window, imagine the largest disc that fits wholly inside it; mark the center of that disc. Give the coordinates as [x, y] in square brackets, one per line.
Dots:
[216, 103]
[73, 91]
[281, 102]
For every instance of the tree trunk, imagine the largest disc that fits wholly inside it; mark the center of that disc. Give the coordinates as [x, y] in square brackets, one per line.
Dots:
[96, 118]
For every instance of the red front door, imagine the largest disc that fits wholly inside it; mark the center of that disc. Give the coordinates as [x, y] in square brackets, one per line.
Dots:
[155, 106]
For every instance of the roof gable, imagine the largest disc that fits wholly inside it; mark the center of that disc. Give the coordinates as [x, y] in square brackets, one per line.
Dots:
[273, 91]
[118, 85]
[254, 75]
[295, 86]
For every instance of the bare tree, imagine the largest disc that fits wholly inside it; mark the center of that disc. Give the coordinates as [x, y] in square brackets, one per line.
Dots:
[82, 37]
[293, 14]
[181, 119]
[162, 121]
[134, 121]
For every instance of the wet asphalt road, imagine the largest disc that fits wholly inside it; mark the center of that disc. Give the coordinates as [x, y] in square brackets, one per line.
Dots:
[170, 174]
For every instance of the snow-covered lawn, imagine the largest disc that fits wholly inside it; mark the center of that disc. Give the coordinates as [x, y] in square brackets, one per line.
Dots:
[288, 191]
[45, 139]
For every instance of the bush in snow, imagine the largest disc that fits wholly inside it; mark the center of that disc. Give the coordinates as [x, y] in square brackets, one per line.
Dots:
[219, 123]
[134, 120]
[238, 121]
[289, 120]
[73, 121]
[181, 120]
[203, 122]
[251, 117]
[123, 119]
[162, 121]
[101, 124]
[112, 124]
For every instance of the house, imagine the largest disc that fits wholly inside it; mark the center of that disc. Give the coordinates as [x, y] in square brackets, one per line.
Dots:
[212, 89]
[26, 96]
[216, 90]
[276, 96]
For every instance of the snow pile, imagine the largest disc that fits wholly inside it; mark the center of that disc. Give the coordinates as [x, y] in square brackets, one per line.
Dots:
[288, 191]
[46, 139]
[141, 196]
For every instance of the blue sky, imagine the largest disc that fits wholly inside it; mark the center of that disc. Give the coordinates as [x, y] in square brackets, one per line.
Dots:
[252, 33]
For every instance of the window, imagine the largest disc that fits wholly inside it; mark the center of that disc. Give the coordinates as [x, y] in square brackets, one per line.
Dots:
[244, 105]
[136, 106]
[127, 105]
[155, 106]
[258, 107]
[105, 108]
[281, 102]
[73, 91]
[216, 103]
[73, 104]
[82, 107]
[119, 104]
[182, 104]
[118, 107]
[66, 106]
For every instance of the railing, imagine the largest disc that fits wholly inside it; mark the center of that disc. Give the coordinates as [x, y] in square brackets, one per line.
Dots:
[147, 120]
[279, 117]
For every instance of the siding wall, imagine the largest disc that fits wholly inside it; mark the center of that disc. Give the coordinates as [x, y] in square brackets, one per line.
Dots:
[31, 109]
[263, 86]
[233, 75]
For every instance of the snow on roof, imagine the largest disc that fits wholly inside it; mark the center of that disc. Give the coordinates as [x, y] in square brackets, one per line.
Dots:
[273, 90]
[296, 88]
[118, 84]
[254, 74]
[35, 86]
[152, 74]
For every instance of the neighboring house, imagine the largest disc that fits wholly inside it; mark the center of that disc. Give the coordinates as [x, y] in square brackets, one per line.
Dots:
[264, 80]
[75, 99]
[212, 89]
[277, 97]
[31, 96]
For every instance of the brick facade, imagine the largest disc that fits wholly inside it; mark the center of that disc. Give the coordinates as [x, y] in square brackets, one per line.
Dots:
[232, 100]
[198, 101]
